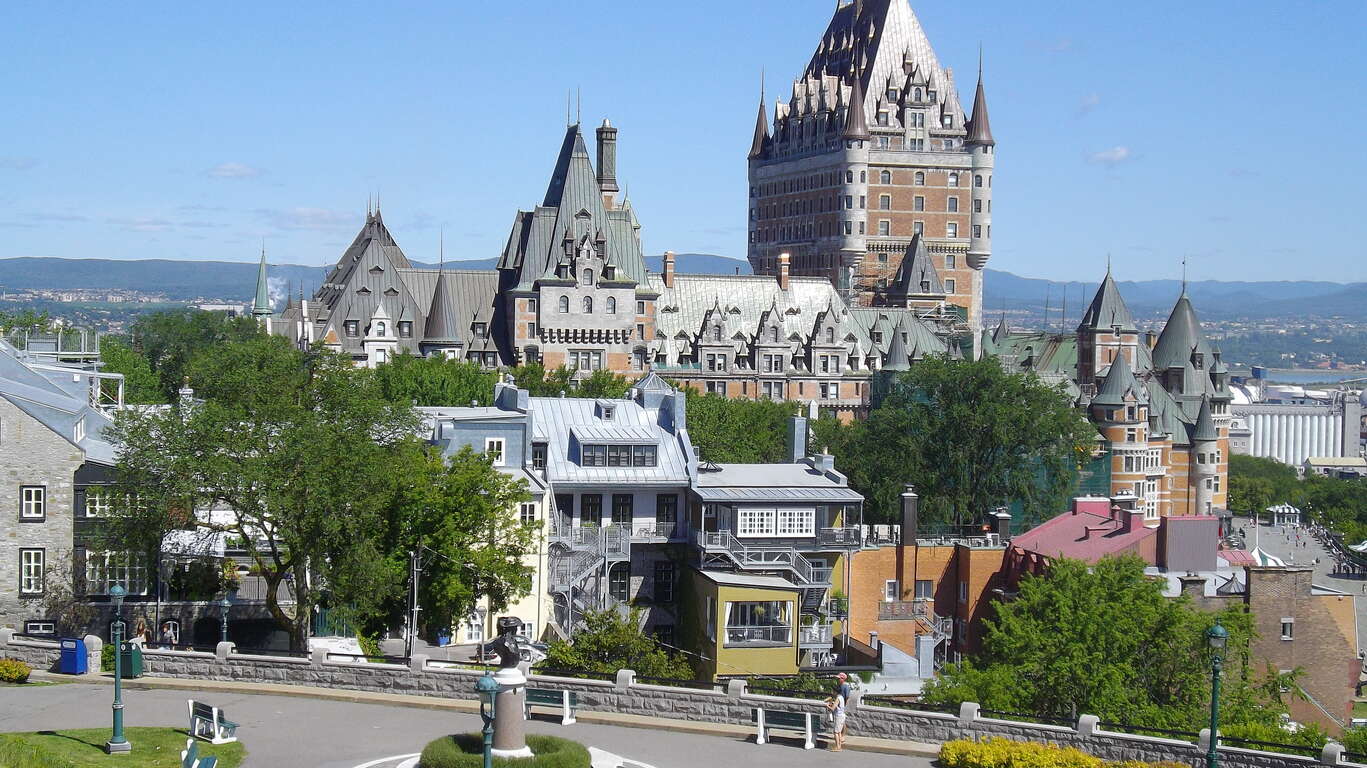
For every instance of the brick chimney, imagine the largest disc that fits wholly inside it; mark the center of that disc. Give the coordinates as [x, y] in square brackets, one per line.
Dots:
[669, 269]
[783, 271]
[911, 504]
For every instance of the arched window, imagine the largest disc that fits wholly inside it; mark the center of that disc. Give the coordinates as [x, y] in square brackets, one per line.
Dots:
[379, 328]
[863, 177]
[588, 277]
[978, 180]
[716, 333]
[773, 334]
[612, 306]
[920, 179]
[849, 177]
[830, 335]
[588, 305]
[564, 303]
[953, 179]
[918, 94]
[885, 177]
[619, 582]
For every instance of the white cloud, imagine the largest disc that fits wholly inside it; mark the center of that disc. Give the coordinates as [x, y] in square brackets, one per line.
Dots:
[1110, 157]
[307, 218]
[234, 171]
[144, 224]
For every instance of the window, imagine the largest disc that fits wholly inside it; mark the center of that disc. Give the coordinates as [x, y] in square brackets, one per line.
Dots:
[885, 177]
[891, 591]
[587, 277]
[716, 388]
[667, 508]
[1288, 629]
[31, 563]
[953, 180]
[884, 228]
[920, 179]
[527, 513]
[977, 180]
[32, 502]
[586, 360]
[950, 261]
[830, 390]
[849, 177]
[977, 206]
[380, 329]
[925, 589]
[919, 203]
[591, 507]
[538, 455]
[612, 306]
[664, 581]
[885, 202]
[406, 329]
[963, 591]
[643, 455]
[754, 521]
[977, 230]
[493, 448]
[952, 229]
[772, 390]
[759, 623]
[849, 227]
[96, 502]
[884, 142]
[40, 627]
[711, 610]
[481, 331]
[105, 569]
[797, 522]
[531, 305]
[952, 205]
[918, 227]
[588, 305]
[352, 328]
[949, 285]
[564, 303]
[594, 455]
[531, 330]
[622, 507]
[619, 582]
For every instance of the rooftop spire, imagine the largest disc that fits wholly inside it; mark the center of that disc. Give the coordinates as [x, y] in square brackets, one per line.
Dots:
[856, 126]
[262, 305]
[761, 140]
[979, 127]
[1107, 310]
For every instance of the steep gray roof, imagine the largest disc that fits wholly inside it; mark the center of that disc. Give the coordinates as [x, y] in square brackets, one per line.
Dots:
[34, 393]
[979, 129]
[761, 139]
[557, 421]
[469, 297]
[366, 274]
[442, 326]
[1181, 337]
[262, 305]
[1205, 424]
[897, 359]
[916, 274]
[1108, 309]
[1119, 383]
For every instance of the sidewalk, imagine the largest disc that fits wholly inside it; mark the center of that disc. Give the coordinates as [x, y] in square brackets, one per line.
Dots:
[470, 706]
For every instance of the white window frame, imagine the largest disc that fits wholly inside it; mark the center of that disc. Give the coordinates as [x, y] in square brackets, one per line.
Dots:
[892, 591]
[796, 521]
[527, 513]
[753, 522]
[494, 448]
[32, 564]
[1288, 628]
[952, 229]
[950, 285]
[125, 569]
[97, 502]
[32, 502]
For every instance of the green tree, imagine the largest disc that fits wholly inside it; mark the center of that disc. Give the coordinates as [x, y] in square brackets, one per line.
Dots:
[611, 641]
[739, 431]
[604, 384]
[1103, 640]
[141, 386]
[24, 319]
[542, 382]
[435, 381]
[459, 513]
[169, 340]
[970, 436]
[299, 454]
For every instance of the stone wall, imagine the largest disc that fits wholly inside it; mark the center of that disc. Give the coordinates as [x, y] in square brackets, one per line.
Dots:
[626, 696]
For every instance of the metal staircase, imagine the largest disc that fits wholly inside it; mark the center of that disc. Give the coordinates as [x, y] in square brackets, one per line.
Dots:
[721, 547]
[579, 559]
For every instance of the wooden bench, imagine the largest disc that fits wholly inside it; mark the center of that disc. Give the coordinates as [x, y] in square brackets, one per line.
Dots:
[567, 701]
[806, 723]
[189, 757]
[207, 722]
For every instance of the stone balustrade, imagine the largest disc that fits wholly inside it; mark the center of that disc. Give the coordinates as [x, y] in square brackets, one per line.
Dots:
[424, 677]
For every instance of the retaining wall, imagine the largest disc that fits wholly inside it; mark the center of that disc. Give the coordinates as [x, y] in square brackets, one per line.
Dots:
[625, 695]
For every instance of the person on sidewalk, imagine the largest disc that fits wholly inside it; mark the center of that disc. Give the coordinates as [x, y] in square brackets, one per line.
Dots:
[836, 704]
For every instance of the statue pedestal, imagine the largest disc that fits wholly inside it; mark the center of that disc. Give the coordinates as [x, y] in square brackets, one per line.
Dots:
[510, 738]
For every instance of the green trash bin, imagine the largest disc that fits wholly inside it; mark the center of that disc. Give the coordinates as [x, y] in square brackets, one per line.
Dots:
[132, 660]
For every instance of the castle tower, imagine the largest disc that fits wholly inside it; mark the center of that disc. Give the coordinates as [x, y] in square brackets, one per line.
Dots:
[1107, 330]
[261, 308]
[872, 148]
[1205, 443]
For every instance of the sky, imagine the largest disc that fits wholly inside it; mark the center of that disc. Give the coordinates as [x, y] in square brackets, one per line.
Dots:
[1223, 132]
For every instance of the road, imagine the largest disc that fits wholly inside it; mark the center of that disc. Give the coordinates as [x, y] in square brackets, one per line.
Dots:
[294, 731]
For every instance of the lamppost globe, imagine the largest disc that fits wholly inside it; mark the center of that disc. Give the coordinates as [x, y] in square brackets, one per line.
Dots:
[487, 688]
[116, 595]
[117, 743]
[1217, 636]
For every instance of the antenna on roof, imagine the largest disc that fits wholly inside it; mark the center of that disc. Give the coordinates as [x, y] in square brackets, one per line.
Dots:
[578, 106]
[1047, 286]
[367, 206]
[1184, 273]
[567, 108]
[441, 250]
[1063, 318]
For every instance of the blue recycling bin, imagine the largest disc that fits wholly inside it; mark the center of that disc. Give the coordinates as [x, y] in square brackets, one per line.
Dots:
[75, 660]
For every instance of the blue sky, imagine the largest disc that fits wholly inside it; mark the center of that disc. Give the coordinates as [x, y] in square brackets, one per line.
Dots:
[1225, 131]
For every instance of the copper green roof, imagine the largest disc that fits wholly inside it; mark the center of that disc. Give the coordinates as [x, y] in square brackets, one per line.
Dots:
[262, 305]
[1205, 424]
[1180, 337]
[1108, 309]
[1119, 382]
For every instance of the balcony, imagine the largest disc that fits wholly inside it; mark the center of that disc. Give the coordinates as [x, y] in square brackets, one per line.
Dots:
[657, 532]
[905, 610]
[758, 636]
[848, 537]
[821, 575]
[838, 607]
[814, 636]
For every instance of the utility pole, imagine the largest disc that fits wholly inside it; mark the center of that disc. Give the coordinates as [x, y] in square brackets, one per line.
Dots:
[415, 569]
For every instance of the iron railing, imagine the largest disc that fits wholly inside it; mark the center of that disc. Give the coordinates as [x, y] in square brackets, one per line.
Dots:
[839, 537]
[814, 634]
[753, 633]
[773, 558]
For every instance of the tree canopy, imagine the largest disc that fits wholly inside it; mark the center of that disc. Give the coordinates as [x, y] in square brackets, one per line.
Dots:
[435, 381]
[170, 339]
[739, 431]
[540, 381]
[612, 640]
[141, 386]
[1103, 640]
[1337, 503]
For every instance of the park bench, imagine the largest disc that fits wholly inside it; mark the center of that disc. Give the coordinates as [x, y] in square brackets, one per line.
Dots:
[567, 701]
[189, 757]
[806, 723]
[207, 722]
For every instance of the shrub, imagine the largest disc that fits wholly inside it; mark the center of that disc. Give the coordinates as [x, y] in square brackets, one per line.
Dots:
[1309, 739]
[1355, 740]
[14, 671]
[107, 658]
[466, 750]
[1004, 753]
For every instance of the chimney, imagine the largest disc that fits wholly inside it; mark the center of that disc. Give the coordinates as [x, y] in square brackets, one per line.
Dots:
[669, 269]
[1131, 520]
[1001, 520]
[607, 159]
[783, 271]
[797, 439]
[910, 509]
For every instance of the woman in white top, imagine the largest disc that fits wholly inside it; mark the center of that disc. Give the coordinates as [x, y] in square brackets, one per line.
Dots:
[837, 706]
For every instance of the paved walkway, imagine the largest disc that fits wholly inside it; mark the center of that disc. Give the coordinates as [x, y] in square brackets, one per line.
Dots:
[327, 728]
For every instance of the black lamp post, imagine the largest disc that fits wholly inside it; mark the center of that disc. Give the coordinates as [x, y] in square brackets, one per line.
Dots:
[1216, 636]
[117, 743]
[487, 688]
[225, 603]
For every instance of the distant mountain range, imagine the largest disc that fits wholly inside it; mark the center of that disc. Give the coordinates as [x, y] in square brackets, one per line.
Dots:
[186, 280]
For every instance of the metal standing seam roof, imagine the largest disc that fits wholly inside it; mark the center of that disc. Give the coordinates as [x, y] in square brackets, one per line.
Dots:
[557, 419]
[795, 482]
[1180, 337]
[42, 399]
[1108, 309]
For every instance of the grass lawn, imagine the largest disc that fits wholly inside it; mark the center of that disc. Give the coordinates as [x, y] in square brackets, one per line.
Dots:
[1360, 709]
[152, 748]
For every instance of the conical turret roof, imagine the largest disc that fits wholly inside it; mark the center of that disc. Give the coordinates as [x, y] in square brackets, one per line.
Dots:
[761, 140]
[262, 305]
[1120, 381]
[856, 125]
[899, 359]
[916, 274]
[1181, 337]
[1108, 309]
[1205, 424]
[979, 129]
[442, 325]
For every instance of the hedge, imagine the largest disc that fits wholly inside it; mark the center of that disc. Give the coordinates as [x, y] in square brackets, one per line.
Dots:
[14, 671]
[1004, 753]
[466, 750]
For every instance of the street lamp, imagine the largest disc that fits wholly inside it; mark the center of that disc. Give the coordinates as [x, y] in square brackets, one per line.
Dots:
[117, 743]
[225, 603]
[1216, 636]
[487, 688]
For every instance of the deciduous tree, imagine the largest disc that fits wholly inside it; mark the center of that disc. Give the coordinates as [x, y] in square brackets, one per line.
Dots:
[612, 640]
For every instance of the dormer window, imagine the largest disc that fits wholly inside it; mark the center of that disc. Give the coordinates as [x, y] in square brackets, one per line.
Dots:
[481, 331]
[405, 329]
[716, 333]
[587, 277]
[564, 303]
[830, 335]
[352, 328]
[380, 329]
[608, 412]
[612, 306]
[892, 94]
[773, 335]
